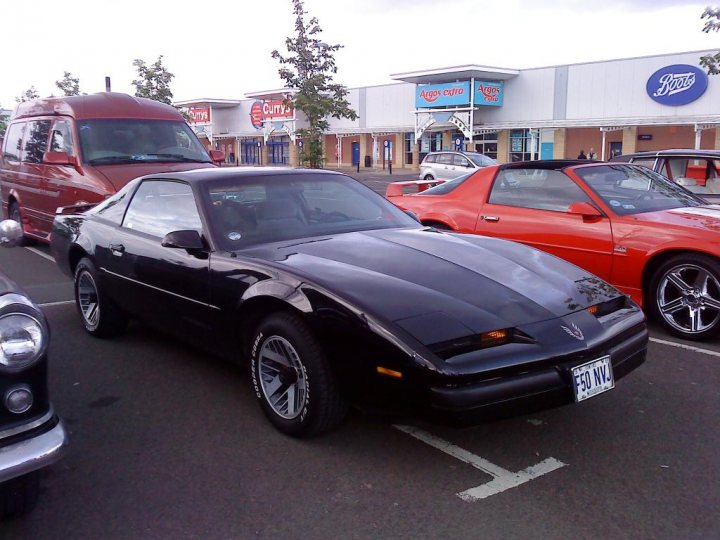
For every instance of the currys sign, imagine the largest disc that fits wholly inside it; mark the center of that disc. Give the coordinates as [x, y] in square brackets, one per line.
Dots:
[439, 95]
[489, 93]
[678, 84]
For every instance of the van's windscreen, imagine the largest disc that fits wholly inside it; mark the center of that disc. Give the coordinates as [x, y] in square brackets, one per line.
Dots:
[139, 140]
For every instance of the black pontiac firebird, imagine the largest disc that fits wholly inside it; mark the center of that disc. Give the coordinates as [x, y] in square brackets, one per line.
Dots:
[335, 296]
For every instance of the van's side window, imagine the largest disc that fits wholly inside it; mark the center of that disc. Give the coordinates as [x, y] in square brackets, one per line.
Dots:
[13, 141]
[36, 141]
[61, 138]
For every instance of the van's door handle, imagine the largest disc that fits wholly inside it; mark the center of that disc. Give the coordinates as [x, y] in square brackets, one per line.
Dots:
[117, 249]
[491, 218]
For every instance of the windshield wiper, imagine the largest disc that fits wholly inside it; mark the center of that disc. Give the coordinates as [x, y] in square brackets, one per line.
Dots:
[180, 157]
[114, 159]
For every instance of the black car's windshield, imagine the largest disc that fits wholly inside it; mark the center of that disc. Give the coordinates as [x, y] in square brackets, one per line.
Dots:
[118, 141]
[250, 210]
[631, 189]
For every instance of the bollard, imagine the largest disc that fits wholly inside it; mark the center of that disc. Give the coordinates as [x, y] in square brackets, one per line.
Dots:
[358, 166]
[390, 167]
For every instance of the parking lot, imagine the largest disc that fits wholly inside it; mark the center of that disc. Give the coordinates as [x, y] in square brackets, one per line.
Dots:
[168, 442]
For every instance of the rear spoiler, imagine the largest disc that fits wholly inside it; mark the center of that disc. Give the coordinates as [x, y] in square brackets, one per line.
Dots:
[397, 189]
[73, 208]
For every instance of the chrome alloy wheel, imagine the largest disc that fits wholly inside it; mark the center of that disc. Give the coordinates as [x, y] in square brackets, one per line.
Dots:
[688, 297]
[88, 299]
[282, 377]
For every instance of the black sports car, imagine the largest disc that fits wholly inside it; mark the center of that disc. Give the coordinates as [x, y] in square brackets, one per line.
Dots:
[335, 296]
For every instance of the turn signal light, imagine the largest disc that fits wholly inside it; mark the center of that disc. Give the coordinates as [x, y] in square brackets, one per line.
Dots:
[592, 309]
[495, 337]
[389, 372]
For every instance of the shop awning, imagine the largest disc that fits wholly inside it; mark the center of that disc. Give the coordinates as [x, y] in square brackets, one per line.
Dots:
[456, 73]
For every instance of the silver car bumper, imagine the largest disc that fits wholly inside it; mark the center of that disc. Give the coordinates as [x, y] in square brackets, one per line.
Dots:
[32, 454]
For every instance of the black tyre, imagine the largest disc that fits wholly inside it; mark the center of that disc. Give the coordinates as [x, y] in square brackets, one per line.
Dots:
[429, 177]
[684, 295]
[439, 226]
[292, 380]
[19, 495]
[100, 316]
[15, 214]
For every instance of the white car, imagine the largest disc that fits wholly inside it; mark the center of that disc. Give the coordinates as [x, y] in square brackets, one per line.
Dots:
[449, 165]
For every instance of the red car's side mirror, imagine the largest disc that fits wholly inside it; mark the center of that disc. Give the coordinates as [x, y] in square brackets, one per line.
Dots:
[218, 156]
[584, 209]
[59, 158]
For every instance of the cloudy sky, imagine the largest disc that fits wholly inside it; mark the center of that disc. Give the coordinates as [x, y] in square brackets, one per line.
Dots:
[222, 49]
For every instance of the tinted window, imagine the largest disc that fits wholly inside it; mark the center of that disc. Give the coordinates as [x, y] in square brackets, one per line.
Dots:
[113, 208]
[139, 141]
[61, 138]
[445, 159]
[36, 141]
[632, 190]
[541, 189]
[249, 210]
[431, 158]
[460, 161]
[13, 141]
[159, 207]
[645, 162]
[446, 187]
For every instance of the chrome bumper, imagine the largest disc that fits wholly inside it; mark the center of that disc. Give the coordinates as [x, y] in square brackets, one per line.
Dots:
[34, 453]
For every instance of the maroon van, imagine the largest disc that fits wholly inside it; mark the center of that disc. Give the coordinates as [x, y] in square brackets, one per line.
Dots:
[78, 150]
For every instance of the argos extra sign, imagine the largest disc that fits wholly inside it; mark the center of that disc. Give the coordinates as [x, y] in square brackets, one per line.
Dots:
[678, 84]
[438, 95]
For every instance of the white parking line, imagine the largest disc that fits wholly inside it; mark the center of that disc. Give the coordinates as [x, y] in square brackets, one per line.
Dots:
[36, 251]
[686, 347]
[502, 478]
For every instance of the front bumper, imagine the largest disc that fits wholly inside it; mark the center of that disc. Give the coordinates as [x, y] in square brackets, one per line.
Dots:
[44, 447]
[531, 391]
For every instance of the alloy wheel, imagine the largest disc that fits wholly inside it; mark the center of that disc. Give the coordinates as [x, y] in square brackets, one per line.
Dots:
[88, 299]
[688, 298]
[282, 377]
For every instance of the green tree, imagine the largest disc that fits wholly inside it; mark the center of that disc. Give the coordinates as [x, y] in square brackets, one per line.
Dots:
[153, 81]
[711, 62]
[3, 123]
[69, 85]
[308, 69]
[27, 95]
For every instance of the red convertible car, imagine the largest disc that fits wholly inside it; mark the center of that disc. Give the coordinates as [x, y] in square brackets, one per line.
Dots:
[651, 238]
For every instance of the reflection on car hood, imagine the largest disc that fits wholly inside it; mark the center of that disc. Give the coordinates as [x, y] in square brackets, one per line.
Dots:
[468, 281]
[121, 174]
[698, 217]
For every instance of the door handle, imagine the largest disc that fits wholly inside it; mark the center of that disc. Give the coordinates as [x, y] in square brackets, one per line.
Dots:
[491, 218]
[117, 249]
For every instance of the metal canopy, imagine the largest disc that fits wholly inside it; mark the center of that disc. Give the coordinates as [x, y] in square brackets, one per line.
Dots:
[281, 93]
[214, 103]
[456, 73]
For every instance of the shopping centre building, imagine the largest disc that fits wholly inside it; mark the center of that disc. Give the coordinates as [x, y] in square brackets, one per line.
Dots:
[613, 107]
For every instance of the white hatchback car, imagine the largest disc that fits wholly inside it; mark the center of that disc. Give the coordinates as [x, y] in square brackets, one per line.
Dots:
[449, 165]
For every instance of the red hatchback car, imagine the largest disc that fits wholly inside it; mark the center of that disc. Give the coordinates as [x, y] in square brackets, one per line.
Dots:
[646, 235]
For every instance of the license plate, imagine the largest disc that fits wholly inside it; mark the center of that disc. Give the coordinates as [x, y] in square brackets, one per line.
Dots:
[593, 378]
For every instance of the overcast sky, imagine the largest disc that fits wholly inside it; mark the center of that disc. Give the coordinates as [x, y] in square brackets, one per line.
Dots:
[222, 49]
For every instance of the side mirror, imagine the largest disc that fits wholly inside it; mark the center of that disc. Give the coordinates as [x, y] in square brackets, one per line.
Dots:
[189, 240]
[218, 156]
[59, 158]
[584, 209]
[10, 233]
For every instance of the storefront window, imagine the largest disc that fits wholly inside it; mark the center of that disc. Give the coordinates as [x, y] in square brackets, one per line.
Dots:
[279, 150]
[431, 142]
[485, 143]
[524, 144]
[409, 142]
[250, 152]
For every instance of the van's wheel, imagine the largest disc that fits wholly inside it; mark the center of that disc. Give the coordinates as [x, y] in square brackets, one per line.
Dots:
[292, 380]
[685, 296]
[100, 316]
[19, 495]
[15, 214]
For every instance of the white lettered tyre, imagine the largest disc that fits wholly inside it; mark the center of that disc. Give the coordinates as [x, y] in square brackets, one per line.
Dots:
[292, 379]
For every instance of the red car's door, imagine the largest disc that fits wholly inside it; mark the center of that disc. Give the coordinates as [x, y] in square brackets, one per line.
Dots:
[531, 206]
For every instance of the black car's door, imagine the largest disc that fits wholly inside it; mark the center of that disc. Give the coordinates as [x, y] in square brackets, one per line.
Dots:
[166, 287]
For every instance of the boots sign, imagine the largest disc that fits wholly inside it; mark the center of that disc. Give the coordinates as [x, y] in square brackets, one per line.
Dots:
[678, 84]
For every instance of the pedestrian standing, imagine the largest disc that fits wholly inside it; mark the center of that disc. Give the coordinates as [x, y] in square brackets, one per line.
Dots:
[592, 154]
[582, 155]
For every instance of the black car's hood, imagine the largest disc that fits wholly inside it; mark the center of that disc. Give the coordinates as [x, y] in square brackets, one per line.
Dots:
[452, 284]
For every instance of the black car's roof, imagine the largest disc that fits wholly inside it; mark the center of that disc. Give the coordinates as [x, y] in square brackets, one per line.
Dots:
[670, 152]
[220, 173]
